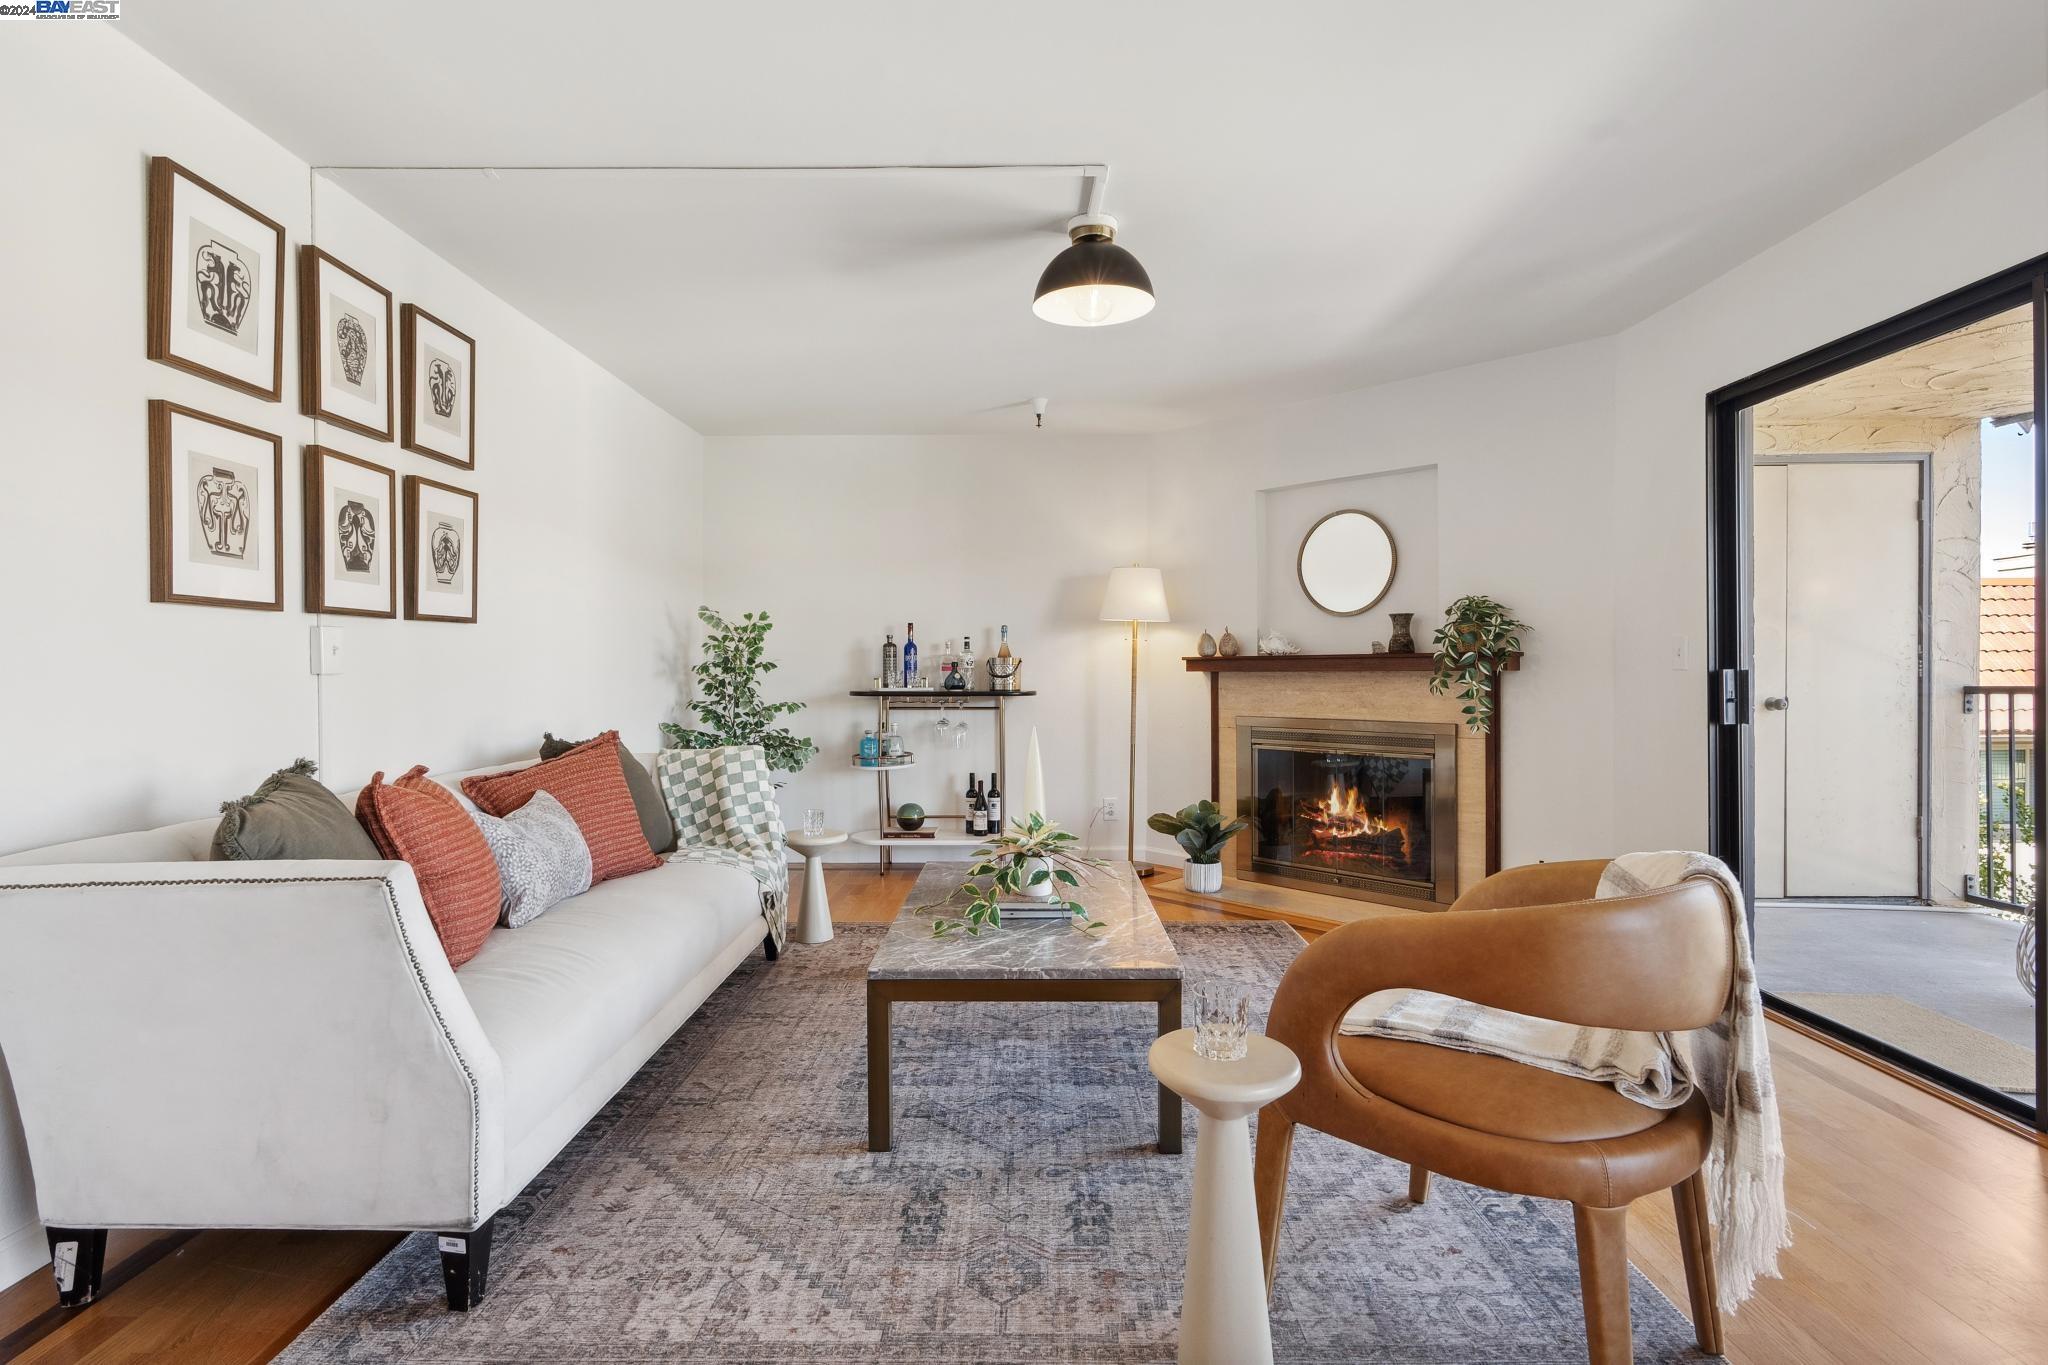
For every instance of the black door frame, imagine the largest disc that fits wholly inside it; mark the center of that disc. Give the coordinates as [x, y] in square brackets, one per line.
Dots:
[1731, 753]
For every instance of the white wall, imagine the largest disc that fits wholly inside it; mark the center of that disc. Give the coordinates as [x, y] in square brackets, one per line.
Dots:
[840, 539]
[1971, 210]
[123, 714]
[1521, 450]
[1404, 500]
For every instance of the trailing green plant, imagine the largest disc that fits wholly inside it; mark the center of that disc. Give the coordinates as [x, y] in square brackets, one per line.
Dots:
[1200, 829]
[1030, 853]
[1474, 643]
[728, 701]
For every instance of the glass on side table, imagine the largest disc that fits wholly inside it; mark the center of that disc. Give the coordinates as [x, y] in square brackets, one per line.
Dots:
[1222, 1019]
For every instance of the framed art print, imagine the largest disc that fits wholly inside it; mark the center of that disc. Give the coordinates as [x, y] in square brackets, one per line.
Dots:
[351, 521]
[437, 368]
[216, 283]
[440, 551]
[216, 520]
[344, 345]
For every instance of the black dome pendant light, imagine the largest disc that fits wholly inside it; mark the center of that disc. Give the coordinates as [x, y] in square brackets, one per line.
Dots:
[1094, 282]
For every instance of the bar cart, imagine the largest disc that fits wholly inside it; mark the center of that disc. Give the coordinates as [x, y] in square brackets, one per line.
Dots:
[925, 699]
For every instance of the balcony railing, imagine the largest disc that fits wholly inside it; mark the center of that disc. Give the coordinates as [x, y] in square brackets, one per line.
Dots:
[2005, 870]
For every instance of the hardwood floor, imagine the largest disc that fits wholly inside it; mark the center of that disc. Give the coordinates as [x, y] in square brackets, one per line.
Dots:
[1921, 1234]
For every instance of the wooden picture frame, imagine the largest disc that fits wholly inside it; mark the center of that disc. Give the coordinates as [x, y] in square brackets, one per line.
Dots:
[341, 304]
[205, 263]
[370, 530]
[205, 522]
[437, 388]
[435, 513]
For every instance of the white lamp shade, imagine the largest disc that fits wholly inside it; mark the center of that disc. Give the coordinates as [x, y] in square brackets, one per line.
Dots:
[1135, 594]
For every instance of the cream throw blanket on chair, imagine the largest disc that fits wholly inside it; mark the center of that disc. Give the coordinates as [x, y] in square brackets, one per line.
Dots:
[1728, 1062]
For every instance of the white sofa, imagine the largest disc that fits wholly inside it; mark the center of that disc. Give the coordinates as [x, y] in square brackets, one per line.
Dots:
[284, 1045]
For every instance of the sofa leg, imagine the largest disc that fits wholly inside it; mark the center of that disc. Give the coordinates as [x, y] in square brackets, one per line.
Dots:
[768, 948]
[466, 1263]
[78, 1257]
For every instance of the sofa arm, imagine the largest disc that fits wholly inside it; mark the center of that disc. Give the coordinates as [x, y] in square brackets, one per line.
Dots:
[268, 1044]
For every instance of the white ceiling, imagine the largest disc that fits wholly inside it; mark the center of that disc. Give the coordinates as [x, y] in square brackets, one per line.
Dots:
[1326, 195]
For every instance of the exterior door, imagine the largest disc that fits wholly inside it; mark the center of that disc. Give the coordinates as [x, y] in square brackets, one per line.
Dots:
[1839, 577]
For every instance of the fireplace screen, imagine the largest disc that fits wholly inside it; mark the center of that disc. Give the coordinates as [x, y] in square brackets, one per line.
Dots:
[1360, 808]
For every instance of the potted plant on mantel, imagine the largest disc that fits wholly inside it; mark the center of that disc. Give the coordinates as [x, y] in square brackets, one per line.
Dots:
[1200, 830]
[1032, 860]
[1474, 643]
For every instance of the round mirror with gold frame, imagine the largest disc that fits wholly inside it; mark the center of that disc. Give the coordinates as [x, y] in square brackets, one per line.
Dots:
[1346, 562]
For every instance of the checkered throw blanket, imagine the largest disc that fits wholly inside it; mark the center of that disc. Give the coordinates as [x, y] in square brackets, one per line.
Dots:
[723, 802]
[1728, 1063]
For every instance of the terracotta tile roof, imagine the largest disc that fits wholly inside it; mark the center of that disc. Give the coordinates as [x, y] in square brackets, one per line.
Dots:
[2005, 643]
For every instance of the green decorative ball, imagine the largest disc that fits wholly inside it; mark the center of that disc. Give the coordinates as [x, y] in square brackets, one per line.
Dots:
[910, 815]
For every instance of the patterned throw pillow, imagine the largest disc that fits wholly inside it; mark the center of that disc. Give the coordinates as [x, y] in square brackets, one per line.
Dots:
[542, 859]
[416, 820]
[588, 783]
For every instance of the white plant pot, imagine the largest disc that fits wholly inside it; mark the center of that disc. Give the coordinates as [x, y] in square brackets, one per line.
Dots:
[1045, 890]
[1204, 879]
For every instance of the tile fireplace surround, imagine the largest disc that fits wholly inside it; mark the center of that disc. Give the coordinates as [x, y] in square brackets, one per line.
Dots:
[1393, 689]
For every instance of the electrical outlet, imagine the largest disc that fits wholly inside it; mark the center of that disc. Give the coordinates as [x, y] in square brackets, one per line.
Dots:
[1110, 810]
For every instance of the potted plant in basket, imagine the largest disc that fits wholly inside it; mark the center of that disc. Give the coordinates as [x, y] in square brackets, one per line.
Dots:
[1033, 859]
[728, 704]
[1200, 829]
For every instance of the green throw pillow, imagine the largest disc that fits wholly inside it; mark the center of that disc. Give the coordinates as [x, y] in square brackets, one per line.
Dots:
[289, 816]
[647, 803]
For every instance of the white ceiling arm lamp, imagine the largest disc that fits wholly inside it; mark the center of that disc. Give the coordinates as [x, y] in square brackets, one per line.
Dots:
[1094, 282]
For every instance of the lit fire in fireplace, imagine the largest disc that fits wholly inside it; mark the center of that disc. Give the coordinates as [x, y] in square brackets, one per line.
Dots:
[1341, 825]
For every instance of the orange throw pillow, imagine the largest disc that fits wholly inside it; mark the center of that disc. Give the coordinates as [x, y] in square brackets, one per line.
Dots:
[416, 820]
[591, 786]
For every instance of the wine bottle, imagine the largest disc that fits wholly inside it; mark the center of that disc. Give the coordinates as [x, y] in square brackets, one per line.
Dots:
[1004, 652]
[994, 803]
[910, 655]
[889, 675]
[976, 811]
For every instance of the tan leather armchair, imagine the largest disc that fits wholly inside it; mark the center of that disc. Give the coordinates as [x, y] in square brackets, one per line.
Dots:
[1535, 941]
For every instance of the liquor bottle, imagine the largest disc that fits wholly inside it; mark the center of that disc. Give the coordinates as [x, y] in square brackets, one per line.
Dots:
[994, 803]
[910, 655]
[950, 670]
[975, 810]
[870, 747]
[890, 677]
[966, 669]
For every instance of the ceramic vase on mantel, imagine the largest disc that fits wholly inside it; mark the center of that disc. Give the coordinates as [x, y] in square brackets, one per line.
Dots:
[1402, 641]
[1204, 879]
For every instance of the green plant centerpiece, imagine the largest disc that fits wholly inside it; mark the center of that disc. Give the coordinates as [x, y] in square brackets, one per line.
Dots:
[1033, 857]
[728, 702]
[1477, 639]
[1199, 829]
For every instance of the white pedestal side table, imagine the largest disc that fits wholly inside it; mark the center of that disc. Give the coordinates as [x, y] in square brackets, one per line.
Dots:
[814, 920]
[1223, 1301]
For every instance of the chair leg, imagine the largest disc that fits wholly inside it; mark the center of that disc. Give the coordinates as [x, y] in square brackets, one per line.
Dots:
[1418, 1184]
[1269, 1180]
[78, 1258]
[1603, 1282]
[1696, 1241]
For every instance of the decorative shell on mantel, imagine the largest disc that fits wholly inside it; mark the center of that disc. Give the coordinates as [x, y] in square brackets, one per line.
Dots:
[1276, 643]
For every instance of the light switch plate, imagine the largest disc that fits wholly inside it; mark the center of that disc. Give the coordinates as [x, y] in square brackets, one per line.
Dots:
[327, 658]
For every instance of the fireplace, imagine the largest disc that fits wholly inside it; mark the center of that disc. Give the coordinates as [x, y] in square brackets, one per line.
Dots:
[1351, 807]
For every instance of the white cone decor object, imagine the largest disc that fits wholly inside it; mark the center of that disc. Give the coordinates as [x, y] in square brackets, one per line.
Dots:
[1034, 778]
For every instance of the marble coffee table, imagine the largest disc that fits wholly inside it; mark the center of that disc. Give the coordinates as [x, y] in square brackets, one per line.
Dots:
[1045, 961]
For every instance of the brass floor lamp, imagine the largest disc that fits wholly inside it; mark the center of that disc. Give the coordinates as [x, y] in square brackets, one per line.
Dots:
[1134, 595]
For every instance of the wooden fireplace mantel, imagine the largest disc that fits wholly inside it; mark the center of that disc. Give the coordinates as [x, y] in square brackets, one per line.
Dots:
[1422, 661]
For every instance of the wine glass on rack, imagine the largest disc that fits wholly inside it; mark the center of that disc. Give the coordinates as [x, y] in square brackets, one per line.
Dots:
[960, 733]
[941, 730]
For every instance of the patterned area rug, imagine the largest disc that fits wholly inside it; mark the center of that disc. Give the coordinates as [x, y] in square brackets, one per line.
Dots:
[724, 1207]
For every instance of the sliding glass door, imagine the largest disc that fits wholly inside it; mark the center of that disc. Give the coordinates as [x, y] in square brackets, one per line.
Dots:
[1875, 660]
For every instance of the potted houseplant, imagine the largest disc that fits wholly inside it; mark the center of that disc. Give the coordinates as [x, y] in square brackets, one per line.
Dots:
[728, 701]
[1033, 858]
[1474, 643]
[1199, 829]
